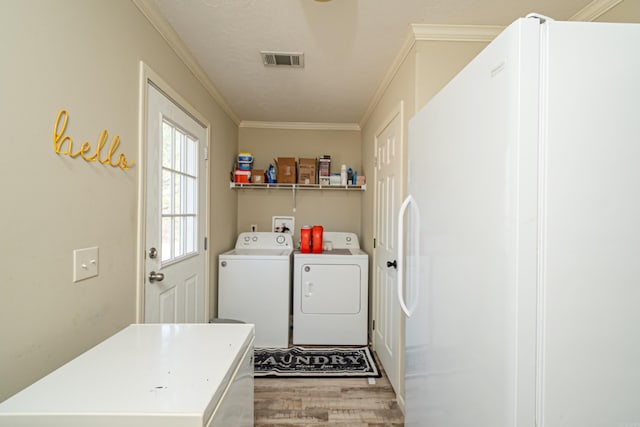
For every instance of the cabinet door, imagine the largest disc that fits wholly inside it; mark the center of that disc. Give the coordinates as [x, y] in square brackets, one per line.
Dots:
[235, 408]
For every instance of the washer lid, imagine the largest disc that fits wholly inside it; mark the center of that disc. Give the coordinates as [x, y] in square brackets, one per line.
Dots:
[257, 253]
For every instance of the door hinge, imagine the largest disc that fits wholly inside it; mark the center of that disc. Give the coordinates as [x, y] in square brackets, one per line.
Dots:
[206, 152]
[205, 243]
[374, 243]
[373, 326]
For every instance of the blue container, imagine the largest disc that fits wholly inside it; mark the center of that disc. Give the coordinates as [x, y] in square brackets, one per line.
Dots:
[245, 166]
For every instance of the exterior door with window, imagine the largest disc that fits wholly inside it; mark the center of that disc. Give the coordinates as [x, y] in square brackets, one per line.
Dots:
[175, 226]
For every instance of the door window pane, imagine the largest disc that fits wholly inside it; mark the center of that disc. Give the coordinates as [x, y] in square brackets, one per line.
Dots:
[191, 195]
[191, 156]
[179, 193]
[178, 242]
[167, 144]
[165, 249]
[166, 192]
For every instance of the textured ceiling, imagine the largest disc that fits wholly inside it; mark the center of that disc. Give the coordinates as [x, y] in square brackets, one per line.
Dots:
[349, 46]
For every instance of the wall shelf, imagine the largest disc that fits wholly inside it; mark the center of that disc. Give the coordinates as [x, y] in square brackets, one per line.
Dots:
[295, 187]
[237, 185]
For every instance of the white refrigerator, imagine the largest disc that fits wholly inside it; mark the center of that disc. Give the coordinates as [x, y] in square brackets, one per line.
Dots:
[520, 272]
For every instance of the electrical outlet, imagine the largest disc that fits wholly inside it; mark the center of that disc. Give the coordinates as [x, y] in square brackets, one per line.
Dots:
[254, 227]
[85, 263]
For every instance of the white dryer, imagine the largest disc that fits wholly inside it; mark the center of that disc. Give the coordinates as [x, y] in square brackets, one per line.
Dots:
[254, 285]
[330, 293]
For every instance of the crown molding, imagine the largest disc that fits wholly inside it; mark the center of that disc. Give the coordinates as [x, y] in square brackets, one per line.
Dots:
[150, 11]
[424, 32]
[300, 125]
[594, 10]
[464, 33]
[406, 47]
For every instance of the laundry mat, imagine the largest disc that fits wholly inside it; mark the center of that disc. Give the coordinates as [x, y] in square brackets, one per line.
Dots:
[315, 362]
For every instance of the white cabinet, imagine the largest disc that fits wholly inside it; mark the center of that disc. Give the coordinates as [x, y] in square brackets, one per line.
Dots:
[150, 375]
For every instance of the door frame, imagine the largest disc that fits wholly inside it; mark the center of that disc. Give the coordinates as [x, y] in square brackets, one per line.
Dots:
[397, 111]
[148, 76]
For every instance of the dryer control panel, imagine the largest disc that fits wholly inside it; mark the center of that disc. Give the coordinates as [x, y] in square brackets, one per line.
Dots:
[341, 240]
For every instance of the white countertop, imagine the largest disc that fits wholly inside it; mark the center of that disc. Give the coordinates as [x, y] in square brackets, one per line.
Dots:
[173, 374]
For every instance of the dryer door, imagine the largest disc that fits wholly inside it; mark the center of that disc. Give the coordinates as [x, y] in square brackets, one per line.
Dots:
[330, 289]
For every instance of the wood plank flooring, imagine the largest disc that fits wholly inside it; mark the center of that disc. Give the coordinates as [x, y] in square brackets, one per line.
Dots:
[317, 402]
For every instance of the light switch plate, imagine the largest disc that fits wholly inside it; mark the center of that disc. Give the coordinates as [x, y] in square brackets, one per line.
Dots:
[85, 263]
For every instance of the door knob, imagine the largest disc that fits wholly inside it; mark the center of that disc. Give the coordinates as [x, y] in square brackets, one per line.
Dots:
[393, 264]
[156, 277]
[153, 252]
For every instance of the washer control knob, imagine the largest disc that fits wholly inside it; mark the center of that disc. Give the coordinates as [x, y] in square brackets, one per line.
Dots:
[280, 239]
[246, 238]
[307, 269]
[223, 263]
[254, 238]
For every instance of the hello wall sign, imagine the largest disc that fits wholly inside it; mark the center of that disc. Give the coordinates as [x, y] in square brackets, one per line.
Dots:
[63, 145]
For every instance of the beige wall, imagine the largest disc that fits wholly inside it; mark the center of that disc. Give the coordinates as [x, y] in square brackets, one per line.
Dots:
[334, 210]
[82, 56]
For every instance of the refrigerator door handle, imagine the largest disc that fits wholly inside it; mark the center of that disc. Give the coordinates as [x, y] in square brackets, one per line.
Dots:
[401, 259]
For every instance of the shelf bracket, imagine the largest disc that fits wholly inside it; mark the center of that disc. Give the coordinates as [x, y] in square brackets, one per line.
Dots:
[293, 190]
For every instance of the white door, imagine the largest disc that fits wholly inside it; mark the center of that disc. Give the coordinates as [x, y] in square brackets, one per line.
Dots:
[175, 226]
[388, 172]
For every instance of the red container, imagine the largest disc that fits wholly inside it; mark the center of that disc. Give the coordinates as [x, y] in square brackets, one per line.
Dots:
[316, 239]
[305, 239]
[242, 176]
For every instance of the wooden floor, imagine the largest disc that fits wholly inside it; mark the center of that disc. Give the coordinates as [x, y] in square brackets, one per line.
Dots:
[325, 402]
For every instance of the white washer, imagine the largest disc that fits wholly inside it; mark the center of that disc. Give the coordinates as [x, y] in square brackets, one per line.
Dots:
[254, 285]
[330, 293]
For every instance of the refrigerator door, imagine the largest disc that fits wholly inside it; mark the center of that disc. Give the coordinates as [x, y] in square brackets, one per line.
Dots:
[472, 158]
[590, 235]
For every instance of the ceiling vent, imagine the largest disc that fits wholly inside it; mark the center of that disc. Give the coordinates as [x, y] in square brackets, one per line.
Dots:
[282, 59]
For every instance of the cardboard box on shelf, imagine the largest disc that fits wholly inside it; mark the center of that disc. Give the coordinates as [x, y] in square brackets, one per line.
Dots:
[361, 180]
[257, 176]
[306, 171]
[286, 170]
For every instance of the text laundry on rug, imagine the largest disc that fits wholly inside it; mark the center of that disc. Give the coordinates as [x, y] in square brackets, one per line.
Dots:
[315, 362]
